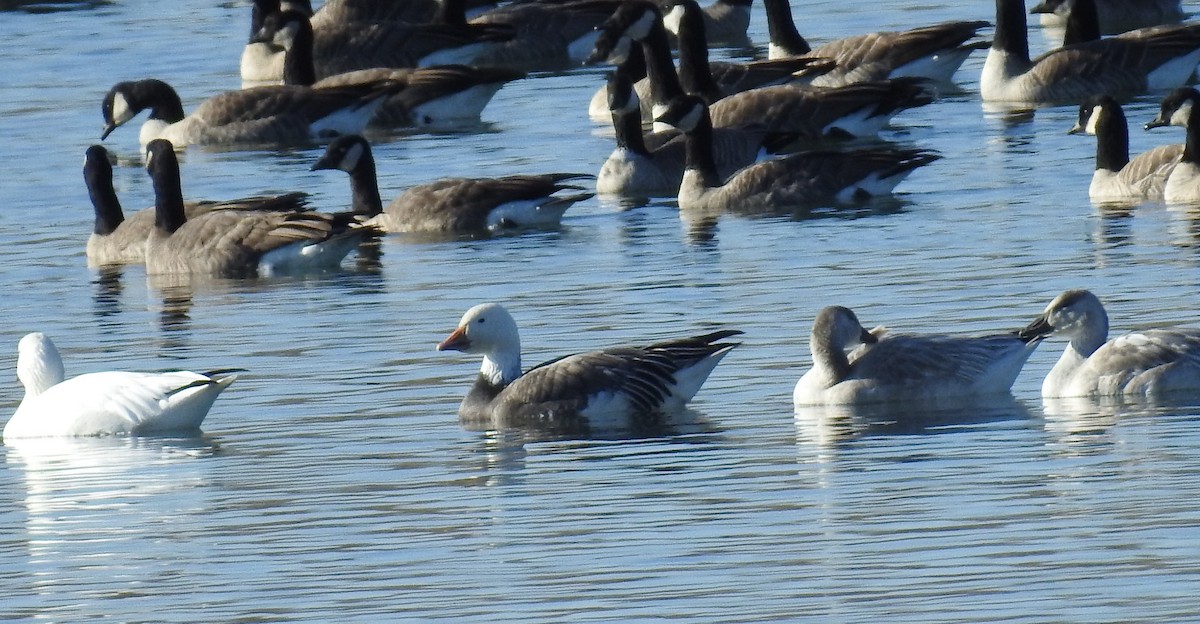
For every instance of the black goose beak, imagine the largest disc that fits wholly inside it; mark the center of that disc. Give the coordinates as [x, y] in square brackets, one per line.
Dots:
[108, 128]
[867, 337]
[1075, 129]
[324, 162]
[1039, 328]
[1157, 122]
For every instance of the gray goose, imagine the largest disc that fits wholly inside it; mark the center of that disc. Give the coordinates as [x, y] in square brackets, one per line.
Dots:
[610, 389]
[451, 205]
[933, 52]
[116, 239]
[791, 183]
[1117, 178]
[1130, 64]
[231, 243]
[441, 96]
[267, 115]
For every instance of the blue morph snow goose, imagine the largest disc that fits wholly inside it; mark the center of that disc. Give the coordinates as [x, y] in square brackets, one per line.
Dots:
[606, 389]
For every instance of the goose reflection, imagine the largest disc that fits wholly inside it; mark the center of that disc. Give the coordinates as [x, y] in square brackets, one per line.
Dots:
[677, 424]
[831, 426]
[1084, 426]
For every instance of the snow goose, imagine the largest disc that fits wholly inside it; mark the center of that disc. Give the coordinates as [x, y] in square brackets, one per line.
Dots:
[935, 52]
[1117, 178]
[1145, 363]
[233, 243]
[790, 182]
[1114, 16]
[340, 46]
[725, 21]
[441, 95]
[891, 367]
[652, 166]
[1180, 108]
[116, 239]
[465, 205]
[607, 389]
[275, 114]
[1129, 64]
[108, 403]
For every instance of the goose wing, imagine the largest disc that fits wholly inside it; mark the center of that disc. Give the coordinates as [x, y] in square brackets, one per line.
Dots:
[882, 52]
[1141, 351]
[906, 359]
[458, 204]
[268, 104]
[1149, 170]
[341, 48]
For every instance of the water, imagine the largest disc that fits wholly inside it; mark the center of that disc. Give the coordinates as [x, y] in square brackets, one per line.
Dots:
[333, 481]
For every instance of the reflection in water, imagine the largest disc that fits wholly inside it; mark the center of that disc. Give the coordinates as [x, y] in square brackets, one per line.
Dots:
[1087, 425]
[107, 297]
[828, 426]
[684, 422]
[51, 6]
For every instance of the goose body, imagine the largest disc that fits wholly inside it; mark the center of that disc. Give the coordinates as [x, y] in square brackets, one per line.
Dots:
[107, 403]
[890, 367]
[610, 388]
[452, 205]
[440, 96]
[1117, 178]
[724, 21]
[116, 239]
[1129, 64]
[794, 181]
[1114, 16]
[231, 243]
[1151, 363]
[547, 35]
[934, 52]
[1180, 108]
[279, 114]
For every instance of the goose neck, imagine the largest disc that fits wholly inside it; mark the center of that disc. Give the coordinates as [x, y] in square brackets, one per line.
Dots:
[1083, 23]
[1112, 141]
[1011, 34]
[664, 82]
[168, 194]
[699, 152]
[695, 73]
[160, 98]
[364, 187]
[781, 29]
[298, 67]
[104, 199]
[1191, 146]
[501, 366]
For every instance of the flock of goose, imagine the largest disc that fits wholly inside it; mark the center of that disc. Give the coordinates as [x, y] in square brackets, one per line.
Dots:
[755, 136]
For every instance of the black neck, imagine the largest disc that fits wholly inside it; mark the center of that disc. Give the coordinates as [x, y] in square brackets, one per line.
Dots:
[695, 75]
[168, 194]
[781, 28]
[364, 187]
[298, 66]
[452, 12]
[700, 151]
[97, 174]
[1112, 140]
[259, 13]
[159, 97]
[1191, 147]
[628, 126]
[1011, 35]
[664, 82]
[1083, 23]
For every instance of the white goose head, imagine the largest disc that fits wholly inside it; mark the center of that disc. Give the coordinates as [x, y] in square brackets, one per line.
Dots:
[489, 329]
[1077, 314]
[39, 366]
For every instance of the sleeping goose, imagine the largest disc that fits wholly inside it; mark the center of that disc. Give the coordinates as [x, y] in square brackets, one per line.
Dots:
[1129, 64]
[607, 389]
[1180, 108]
[116, 239]
[725, 21]
[1118, 178]
[1152, 362]
[468, 205]
[108, 403]
[789, 182]
[233, 243]
[441, 95]
[642, 166]
[891, 367]
[935, 52]
[1114, 16]
[339, 47]
[276, 115]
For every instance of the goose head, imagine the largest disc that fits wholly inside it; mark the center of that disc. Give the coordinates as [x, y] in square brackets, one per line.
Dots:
[684, 113]
[611, 46]
[1095, 112]
[126, 99]
[1176, 108]
[281, 28]
[621, 97]
[1077, 314]
[39, 366]
[345, 153]
[489, 329]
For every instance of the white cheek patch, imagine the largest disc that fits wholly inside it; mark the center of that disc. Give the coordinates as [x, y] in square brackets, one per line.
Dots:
[350, 160]
[121, 112]
[672, 19]
[1093, 120]
[1181, 114]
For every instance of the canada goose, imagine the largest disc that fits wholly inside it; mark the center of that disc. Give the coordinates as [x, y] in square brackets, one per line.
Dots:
[441, 96]
[1082, 23]
[1180, 108]
[1121, 66]
[637, 169]
[725, 21]
[108, 403]
[231, 243]
[933, 52]
[119, 240]
[452, 204]
[370, 11]
[1151, 362]
[1115, 16]
[340, 47]
[890, 367]
[277, 114]
[548, 35]
[607, 389]
[793, 181]
[1117, 177]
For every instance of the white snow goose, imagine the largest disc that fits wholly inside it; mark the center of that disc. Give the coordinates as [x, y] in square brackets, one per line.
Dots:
[107, 403]
[891, 367]
[607, 389]
[1145, 363]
